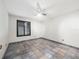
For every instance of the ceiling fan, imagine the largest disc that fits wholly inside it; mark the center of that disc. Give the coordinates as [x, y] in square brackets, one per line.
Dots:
[40, 10]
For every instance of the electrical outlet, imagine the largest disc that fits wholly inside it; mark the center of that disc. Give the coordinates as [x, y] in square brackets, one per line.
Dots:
[6, 44]
[62, 39]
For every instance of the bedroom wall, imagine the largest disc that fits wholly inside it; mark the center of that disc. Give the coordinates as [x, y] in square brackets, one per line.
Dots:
[37, 29]
[65, 28]
[3, 28]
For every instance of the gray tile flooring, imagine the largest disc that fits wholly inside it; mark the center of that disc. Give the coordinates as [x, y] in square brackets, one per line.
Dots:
[40, 49]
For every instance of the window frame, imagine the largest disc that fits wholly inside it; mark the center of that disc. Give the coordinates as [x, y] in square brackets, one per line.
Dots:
[28, 26]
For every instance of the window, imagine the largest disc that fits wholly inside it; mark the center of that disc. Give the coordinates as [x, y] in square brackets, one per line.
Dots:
[23, 28]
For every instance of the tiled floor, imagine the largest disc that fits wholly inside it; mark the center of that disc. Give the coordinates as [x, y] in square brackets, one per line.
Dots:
[40, 49]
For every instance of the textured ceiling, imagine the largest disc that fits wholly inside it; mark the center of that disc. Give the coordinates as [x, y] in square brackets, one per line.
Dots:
[53, 8]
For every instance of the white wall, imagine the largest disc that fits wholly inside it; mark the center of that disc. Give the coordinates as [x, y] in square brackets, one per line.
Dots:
[37, 29]
[3, 28]
[64, 27]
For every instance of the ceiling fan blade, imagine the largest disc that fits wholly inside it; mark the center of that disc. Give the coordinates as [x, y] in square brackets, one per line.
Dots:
[39, 7]
[36, 10]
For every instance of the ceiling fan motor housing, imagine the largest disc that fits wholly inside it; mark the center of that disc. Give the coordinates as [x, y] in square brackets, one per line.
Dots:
[44, 14]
